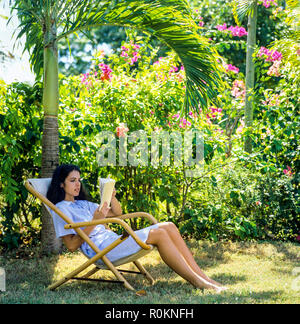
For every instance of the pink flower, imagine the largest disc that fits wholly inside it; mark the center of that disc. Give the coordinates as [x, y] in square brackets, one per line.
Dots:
[267, 3]
[230, 67]
[208, 119]
[106, 71]
[124, 54]
[241, 127]
[276, 56]
[274, 69]
[238, 31]
[238, 89]
[235, 30]
[83, 79]
[184, 123]
[215, 113]
[222, 27]
[124, 48]
[262, 51]
[288, 171]
[173, 69]
[130, 53]
[270, 56]
[201, 22]
[133, 60]
[121, 130]
[258, 203]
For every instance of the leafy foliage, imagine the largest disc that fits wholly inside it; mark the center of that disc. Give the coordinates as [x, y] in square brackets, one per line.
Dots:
[46, 22]
[20, 121]
[236, 195]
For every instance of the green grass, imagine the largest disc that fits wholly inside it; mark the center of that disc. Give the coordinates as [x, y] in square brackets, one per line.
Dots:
[262, 272]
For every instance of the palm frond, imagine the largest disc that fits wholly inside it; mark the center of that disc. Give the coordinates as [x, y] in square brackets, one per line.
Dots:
[292, 4]
[291, 34]
[241, 8]
[31, 14]
[171, 22]
[293, 18]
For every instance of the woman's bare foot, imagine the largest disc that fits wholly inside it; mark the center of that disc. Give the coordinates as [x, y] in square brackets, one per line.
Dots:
[215, 283]
[207, 284]
[218, 289]
[211, 280]
[221, 289]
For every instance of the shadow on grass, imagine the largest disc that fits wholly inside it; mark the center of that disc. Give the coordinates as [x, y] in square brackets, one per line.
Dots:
[163, 292]
[289, 255]
[246, 297]
[228, 279]
[28, 279]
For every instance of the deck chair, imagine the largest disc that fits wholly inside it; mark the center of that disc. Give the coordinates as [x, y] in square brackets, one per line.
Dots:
[39, 187]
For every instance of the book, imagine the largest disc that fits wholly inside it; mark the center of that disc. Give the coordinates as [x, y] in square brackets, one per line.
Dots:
[107, 186]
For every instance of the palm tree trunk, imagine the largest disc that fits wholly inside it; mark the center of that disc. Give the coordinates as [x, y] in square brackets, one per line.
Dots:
[250, 69]
[50, 139]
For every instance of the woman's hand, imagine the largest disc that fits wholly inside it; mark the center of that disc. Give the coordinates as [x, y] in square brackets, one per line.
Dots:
[72, 241]
[116, 209]
[101, 213]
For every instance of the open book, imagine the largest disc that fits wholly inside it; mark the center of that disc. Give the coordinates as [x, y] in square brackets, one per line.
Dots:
[107, 186]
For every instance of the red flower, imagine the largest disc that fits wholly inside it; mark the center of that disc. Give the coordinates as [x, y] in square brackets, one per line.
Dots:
[121, 130]
[288, 171]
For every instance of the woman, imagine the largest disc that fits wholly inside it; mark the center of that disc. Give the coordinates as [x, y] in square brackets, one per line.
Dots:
[67, 193]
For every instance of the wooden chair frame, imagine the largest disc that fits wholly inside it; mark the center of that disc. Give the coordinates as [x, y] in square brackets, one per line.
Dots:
[100, 254]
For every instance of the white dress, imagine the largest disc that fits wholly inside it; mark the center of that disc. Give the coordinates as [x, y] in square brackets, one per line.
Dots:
[83, 211]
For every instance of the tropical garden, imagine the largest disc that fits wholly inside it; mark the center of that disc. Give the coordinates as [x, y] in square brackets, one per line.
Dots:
[230, 70]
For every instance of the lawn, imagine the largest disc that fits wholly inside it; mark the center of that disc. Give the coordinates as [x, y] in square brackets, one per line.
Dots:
[259, 273]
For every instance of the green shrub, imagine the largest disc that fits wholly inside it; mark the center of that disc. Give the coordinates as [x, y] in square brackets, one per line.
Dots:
[241, 203]
[278, 208]
[20, 156]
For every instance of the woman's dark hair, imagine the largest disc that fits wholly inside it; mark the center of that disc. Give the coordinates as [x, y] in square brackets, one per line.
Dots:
[55, 192]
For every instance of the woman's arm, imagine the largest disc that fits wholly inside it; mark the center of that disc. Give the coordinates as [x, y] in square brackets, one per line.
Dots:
[74, 241]
[116, 209]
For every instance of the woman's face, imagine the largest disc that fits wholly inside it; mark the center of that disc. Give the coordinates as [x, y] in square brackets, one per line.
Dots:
[72, 185]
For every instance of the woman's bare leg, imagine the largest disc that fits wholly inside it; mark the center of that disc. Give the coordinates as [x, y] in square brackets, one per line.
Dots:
[174, 259]
[184, 250]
